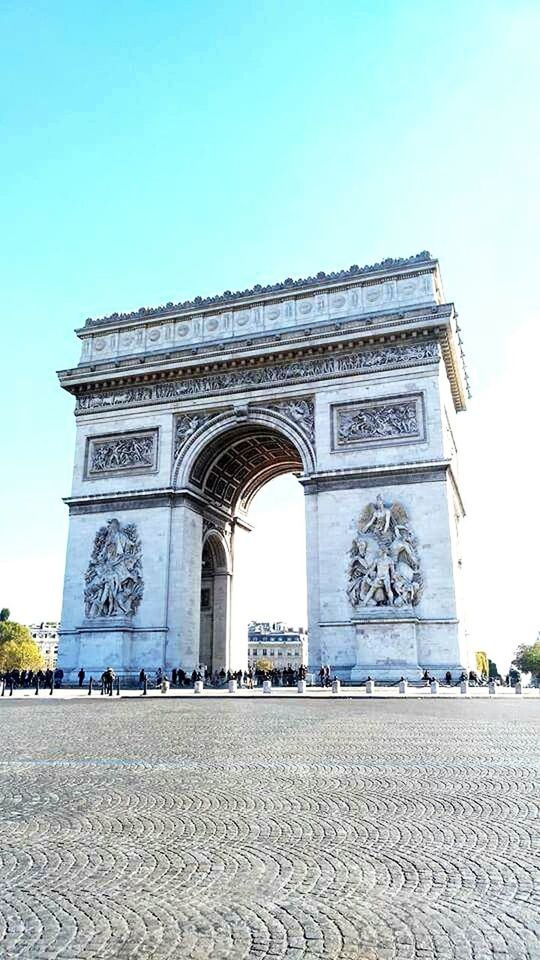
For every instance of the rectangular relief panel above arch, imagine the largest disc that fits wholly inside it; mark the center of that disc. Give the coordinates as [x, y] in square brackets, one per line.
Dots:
[118, 454]
[378, 422]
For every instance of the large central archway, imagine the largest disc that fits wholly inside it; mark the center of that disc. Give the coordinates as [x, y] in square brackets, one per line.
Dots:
[225, 465]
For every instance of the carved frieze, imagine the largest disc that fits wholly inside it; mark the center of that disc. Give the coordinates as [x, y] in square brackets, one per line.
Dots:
[185, 425]
[114, 583]
[384, 568]
[122, 453]
[301, 412]
[387, 420]
[293, 371]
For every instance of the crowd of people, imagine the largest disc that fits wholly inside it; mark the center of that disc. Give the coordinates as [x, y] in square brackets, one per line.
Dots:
[286, 677]
[29, 678]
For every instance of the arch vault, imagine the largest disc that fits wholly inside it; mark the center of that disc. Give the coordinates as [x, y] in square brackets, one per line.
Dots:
[351, 381]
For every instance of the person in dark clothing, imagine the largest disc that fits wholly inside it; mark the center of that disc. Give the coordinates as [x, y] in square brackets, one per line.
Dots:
[107, 679]
[81, 676]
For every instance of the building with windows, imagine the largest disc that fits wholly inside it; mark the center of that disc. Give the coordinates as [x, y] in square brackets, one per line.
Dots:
[282, 646]
[45, 635]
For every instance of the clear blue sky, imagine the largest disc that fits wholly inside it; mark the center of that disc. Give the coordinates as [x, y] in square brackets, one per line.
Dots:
[155, 151]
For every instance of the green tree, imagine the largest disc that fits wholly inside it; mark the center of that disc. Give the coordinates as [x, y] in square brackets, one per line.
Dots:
[18, 651]
[4, 614]
[527, 658]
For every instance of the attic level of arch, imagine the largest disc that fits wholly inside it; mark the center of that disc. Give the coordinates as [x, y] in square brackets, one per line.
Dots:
[268, 340]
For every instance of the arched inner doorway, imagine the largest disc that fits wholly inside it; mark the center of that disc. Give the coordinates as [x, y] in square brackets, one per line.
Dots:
[235, 465]
[228, 472]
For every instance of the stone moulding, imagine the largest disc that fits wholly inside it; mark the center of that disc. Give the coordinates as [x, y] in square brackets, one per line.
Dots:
[386, 420]
[286, 286]
[328, 367]
[118, 454]
[299, 410]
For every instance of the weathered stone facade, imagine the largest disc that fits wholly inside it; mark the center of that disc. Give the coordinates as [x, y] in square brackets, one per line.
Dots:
[349, 380]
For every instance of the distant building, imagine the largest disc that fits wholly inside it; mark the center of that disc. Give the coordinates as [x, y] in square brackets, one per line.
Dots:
[45, 635]
[281, 645]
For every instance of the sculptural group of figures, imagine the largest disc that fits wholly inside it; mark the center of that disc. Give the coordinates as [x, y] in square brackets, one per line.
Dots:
[114, 583]
[384, 568]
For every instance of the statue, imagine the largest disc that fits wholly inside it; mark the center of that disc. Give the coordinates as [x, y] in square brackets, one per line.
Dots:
[114, 584]
[380, 516]
[380, 576]
[384, 569]
[357, 570]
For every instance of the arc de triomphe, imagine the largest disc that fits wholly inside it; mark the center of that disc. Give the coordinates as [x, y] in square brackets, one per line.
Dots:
[351, 381]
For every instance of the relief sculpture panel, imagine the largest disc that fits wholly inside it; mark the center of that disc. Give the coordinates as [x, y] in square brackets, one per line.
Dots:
[124, 453]
[384, 568]
[391, 420]
[114, 582]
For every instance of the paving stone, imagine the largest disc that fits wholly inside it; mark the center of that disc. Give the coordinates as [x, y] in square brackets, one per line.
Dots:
[358, 830]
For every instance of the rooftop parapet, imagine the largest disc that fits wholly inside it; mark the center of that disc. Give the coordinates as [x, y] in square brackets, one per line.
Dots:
[294, 304]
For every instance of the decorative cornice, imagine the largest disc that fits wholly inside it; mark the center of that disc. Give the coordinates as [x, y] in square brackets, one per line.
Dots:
[288, 285]
[417, 471]
[412, 353]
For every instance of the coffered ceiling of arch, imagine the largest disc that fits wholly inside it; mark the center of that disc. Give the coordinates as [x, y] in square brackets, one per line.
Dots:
[234, 467]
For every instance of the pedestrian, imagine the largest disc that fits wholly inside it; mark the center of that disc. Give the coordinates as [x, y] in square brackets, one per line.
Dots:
[107, 679]
[81, 676]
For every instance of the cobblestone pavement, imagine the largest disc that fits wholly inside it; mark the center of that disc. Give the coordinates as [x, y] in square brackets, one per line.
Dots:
[373, 830]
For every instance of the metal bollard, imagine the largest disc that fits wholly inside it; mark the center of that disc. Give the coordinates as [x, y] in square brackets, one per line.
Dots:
[198, 686]
[145, 687]
[267, 686]
[464, 687]
[233, 686]
[403, 686]
[434, 687]
[518, 688]
[118, 686]
[370, 686]
[336, 687]
[37, 688]
[90, 686]
[492, 688]
[302, 685]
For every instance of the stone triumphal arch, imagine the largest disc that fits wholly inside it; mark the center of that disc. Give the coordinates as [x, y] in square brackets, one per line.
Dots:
[352, 382]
